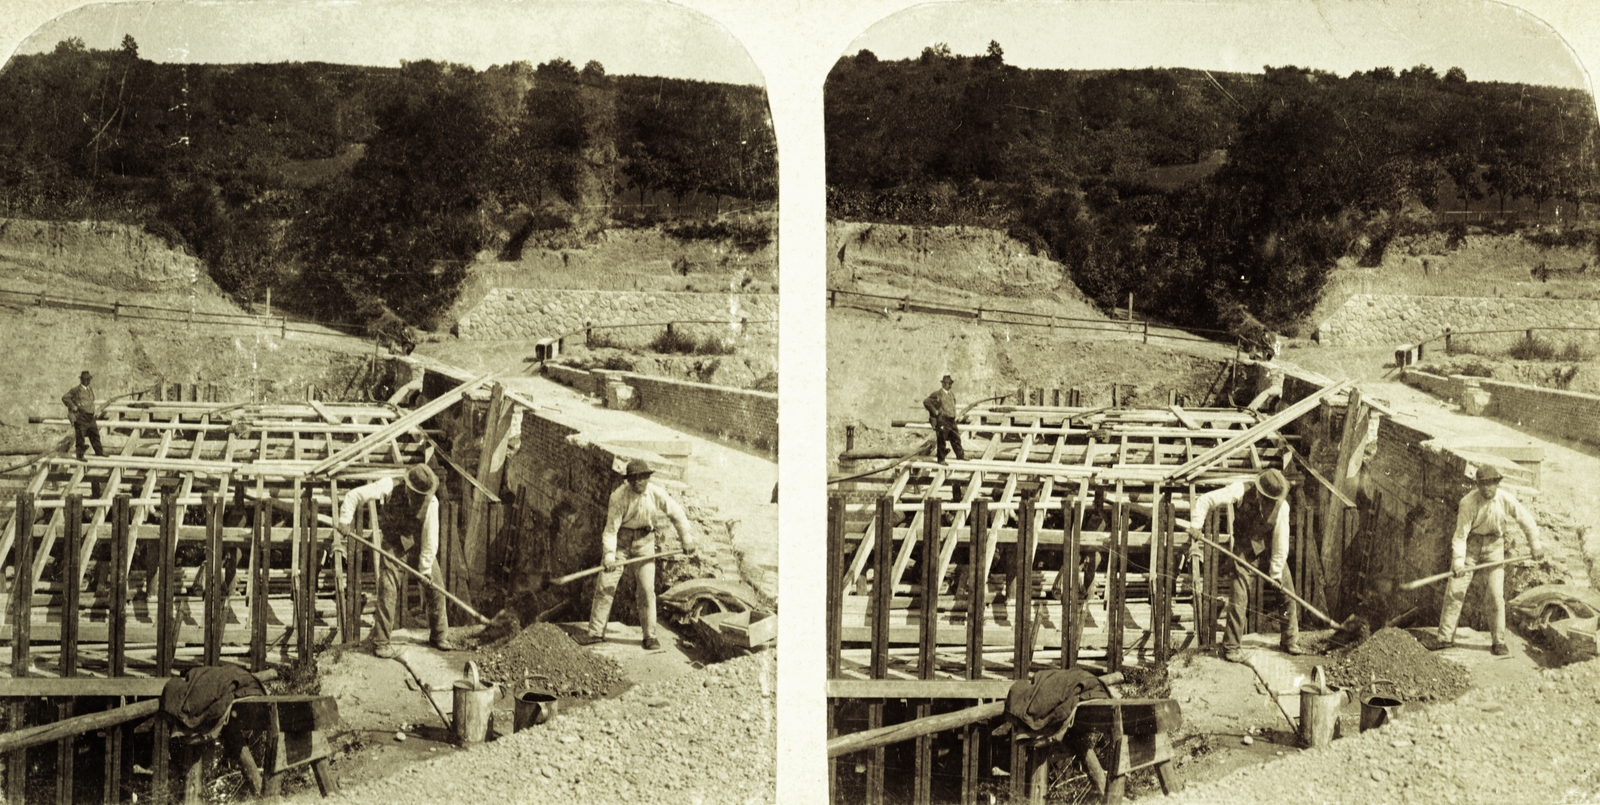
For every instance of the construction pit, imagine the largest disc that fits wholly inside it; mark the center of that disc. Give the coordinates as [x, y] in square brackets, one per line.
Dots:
[228, 449]
[1092, 444]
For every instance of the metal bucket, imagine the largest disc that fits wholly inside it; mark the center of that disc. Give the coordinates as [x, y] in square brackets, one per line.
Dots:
[533, 707]
[1376, 710]
[474, 703]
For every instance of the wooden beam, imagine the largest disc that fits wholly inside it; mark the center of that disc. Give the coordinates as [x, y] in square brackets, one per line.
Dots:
[918, 688]
[401, 425]
[1256, 433]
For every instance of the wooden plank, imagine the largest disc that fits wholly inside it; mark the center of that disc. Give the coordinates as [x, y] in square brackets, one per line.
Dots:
[882, 591]
[214, 597]
[21, 661]
[166, 589]
[117, 614]
[260, 565]
[389, 431]
[1256, 433]
[973, 689]
[322, 411]
[927, 645]
[858, 563]
[65, 687]
[975, 603]
[835, 581]
[71, 585]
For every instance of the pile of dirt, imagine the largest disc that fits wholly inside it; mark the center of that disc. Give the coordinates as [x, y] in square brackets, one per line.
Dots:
[1393, 654]
[551, 658]
[709, 736]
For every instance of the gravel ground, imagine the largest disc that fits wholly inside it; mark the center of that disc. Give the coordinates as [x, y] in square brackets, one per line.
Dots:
[554, 660]
[1507, 744]
[1394, 655]
[707, 737]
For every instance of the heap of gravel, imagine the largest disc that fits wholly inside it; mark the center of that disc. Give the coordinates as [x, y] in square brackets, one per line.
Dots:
[1507, 744]
[710, 737]
[552, 659]
[1394, 655]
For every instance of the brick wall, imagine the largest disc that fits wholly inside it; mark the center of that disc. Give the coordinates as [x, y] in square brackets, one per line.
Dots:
[1563, 414]
[749, 417]
[1445, 388]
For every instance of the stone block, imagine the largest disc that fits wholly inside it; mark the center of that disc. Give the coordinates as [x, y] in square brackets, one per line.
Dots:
[621, 396]
[1475, 401]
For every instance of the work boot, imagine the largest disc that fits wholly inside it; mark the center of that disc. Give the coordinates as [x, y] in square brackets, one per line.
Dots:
[1499, 650]
[1291, 647]
[444, 644]
[1439, 644]
[387, 651]
[586, 639]
[1234, 654]
[650, 644]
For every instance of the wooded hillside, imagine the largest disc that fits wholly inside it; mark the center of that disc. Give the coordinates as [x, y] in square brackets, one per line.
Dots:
[349, 188]
[1196, 191]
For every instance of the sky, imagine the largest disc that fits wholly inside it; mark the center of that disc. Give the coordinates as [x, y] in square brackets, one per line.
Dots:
[1490, 41]
[629, 38]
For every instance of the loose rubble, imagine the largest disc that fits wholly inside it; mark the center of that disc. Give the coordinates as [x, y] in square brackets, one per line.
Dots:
[705, 737]
[553, 661]
[1506, 744]
[1416, 673]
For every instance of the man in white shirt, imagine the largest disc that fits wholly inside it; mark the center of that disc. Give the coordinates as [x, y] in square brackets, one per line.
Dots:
[631, 518]
[402, 520]
[1481, 521]
[1260, 523]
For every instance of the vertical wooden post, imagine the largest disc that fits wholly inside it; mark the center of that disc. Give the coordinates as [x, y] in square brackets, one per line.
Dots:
[1160, 559]
[1021, 624]
[117, 624]
[260, 566]
[21, 624]
[70, 550]
[1022, 395]
[167, 583]
[216, 597]
[1071, 609]
[1208, 633]
[977, 549]
[882, 595]
[306, 610]
[928, 640]
[1116, 582]
[834, 601]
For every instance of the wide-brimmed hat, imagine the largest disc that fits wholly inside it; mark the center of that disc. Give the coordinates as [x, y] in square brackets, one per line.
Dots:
[639, 467]
[84, 375]
[1272, 484]
[1488, 473]
[421, 480]
[947, 377]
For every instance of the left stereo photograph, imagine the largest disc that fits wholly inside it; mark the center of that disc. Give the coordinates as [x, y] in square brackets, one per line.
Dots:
[392, 405]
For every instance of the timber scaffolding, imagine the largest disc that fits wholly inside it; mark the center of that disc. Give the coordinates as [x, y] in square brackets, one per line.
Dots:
[91, 553]
[1053, 504]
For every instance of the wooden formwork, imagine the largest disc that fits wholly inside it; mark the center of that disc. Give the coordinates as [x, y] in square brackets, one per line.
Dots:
[1063, 530]
[92, 548]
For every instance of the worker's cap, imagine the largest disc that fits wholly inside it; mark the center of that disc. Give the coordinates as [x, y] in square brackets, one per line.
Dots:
[421, 480]
[84, 375]
[1488, 474]
[947, 377]
[639, 468]
[1272, 484]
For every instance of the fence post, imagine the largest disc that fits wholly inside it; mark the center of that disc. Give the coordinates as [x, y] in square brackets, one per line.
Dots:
[849, 437]
[1130, 309]
[1147, 332]
[1447, 340]
[116, 310]
[283, 327]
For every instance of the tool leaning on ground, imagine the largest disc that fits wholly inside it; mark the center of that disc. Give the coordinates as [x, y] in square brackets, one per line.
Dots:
[1438, 577]
[504, 622]
[1351, 624]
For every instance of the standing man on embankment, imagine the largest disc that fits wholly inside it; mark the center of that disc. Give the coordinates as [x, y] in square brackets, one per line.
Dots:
[402, 520]
[942, 414]
[79, 401]
[1260, 521]
[631, 518]
[1481, 520]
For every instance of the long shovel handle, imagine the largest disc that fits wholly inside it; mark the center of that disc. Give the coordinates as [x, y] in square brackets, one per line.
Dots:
[1240, 562]
[1438, 577]
[406, 566]
[571, 577]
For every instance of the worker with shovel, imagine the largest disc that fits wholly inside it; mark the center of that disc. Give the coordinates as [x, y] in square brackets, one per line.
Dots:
[402, 520]
[631, 519]
[1481, 520]
[1261, 534]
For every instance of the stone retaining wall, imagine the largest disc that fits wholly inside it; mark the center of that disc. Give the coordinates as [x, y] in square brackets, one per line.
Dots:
[529, 313]
[1550, 412]
[741, 415]
[1368, 320]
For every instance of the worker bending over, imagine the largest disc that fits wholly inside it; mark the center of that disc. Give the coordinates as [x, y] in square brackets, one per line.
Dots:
[1481, 520]
[1260, 523]
[402, 520]
[635, 509]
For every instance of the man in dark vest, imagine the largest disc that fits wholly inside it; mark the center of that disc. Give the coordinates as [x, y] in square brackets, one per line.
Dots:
[942, 414]
[410, 525]
[79, 401]
[1261, 537]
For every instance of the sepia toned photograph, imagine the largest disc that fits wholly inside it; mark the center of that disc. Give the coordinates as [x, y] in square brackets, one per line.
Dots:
[1211, 405]
[391, 408]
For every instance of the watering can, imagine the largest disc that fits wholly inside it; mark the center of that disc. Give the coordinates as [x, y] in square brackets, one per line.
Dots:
[474, 703]
[1319, 711]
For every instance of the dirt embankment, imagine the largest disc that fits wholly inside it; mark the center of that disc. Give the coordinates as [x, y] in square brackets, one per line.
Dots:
[952, 264]
[112, 256]
[881, 366]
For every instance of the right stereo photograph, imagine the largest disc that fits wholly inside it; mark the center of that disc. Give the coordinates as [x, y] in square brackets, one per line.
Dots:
[1212, 404]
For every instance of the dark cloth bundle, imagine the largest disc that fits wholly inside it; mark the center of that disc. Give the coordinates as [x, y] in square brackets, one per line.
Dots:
[200, 698]
[1046, 703]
